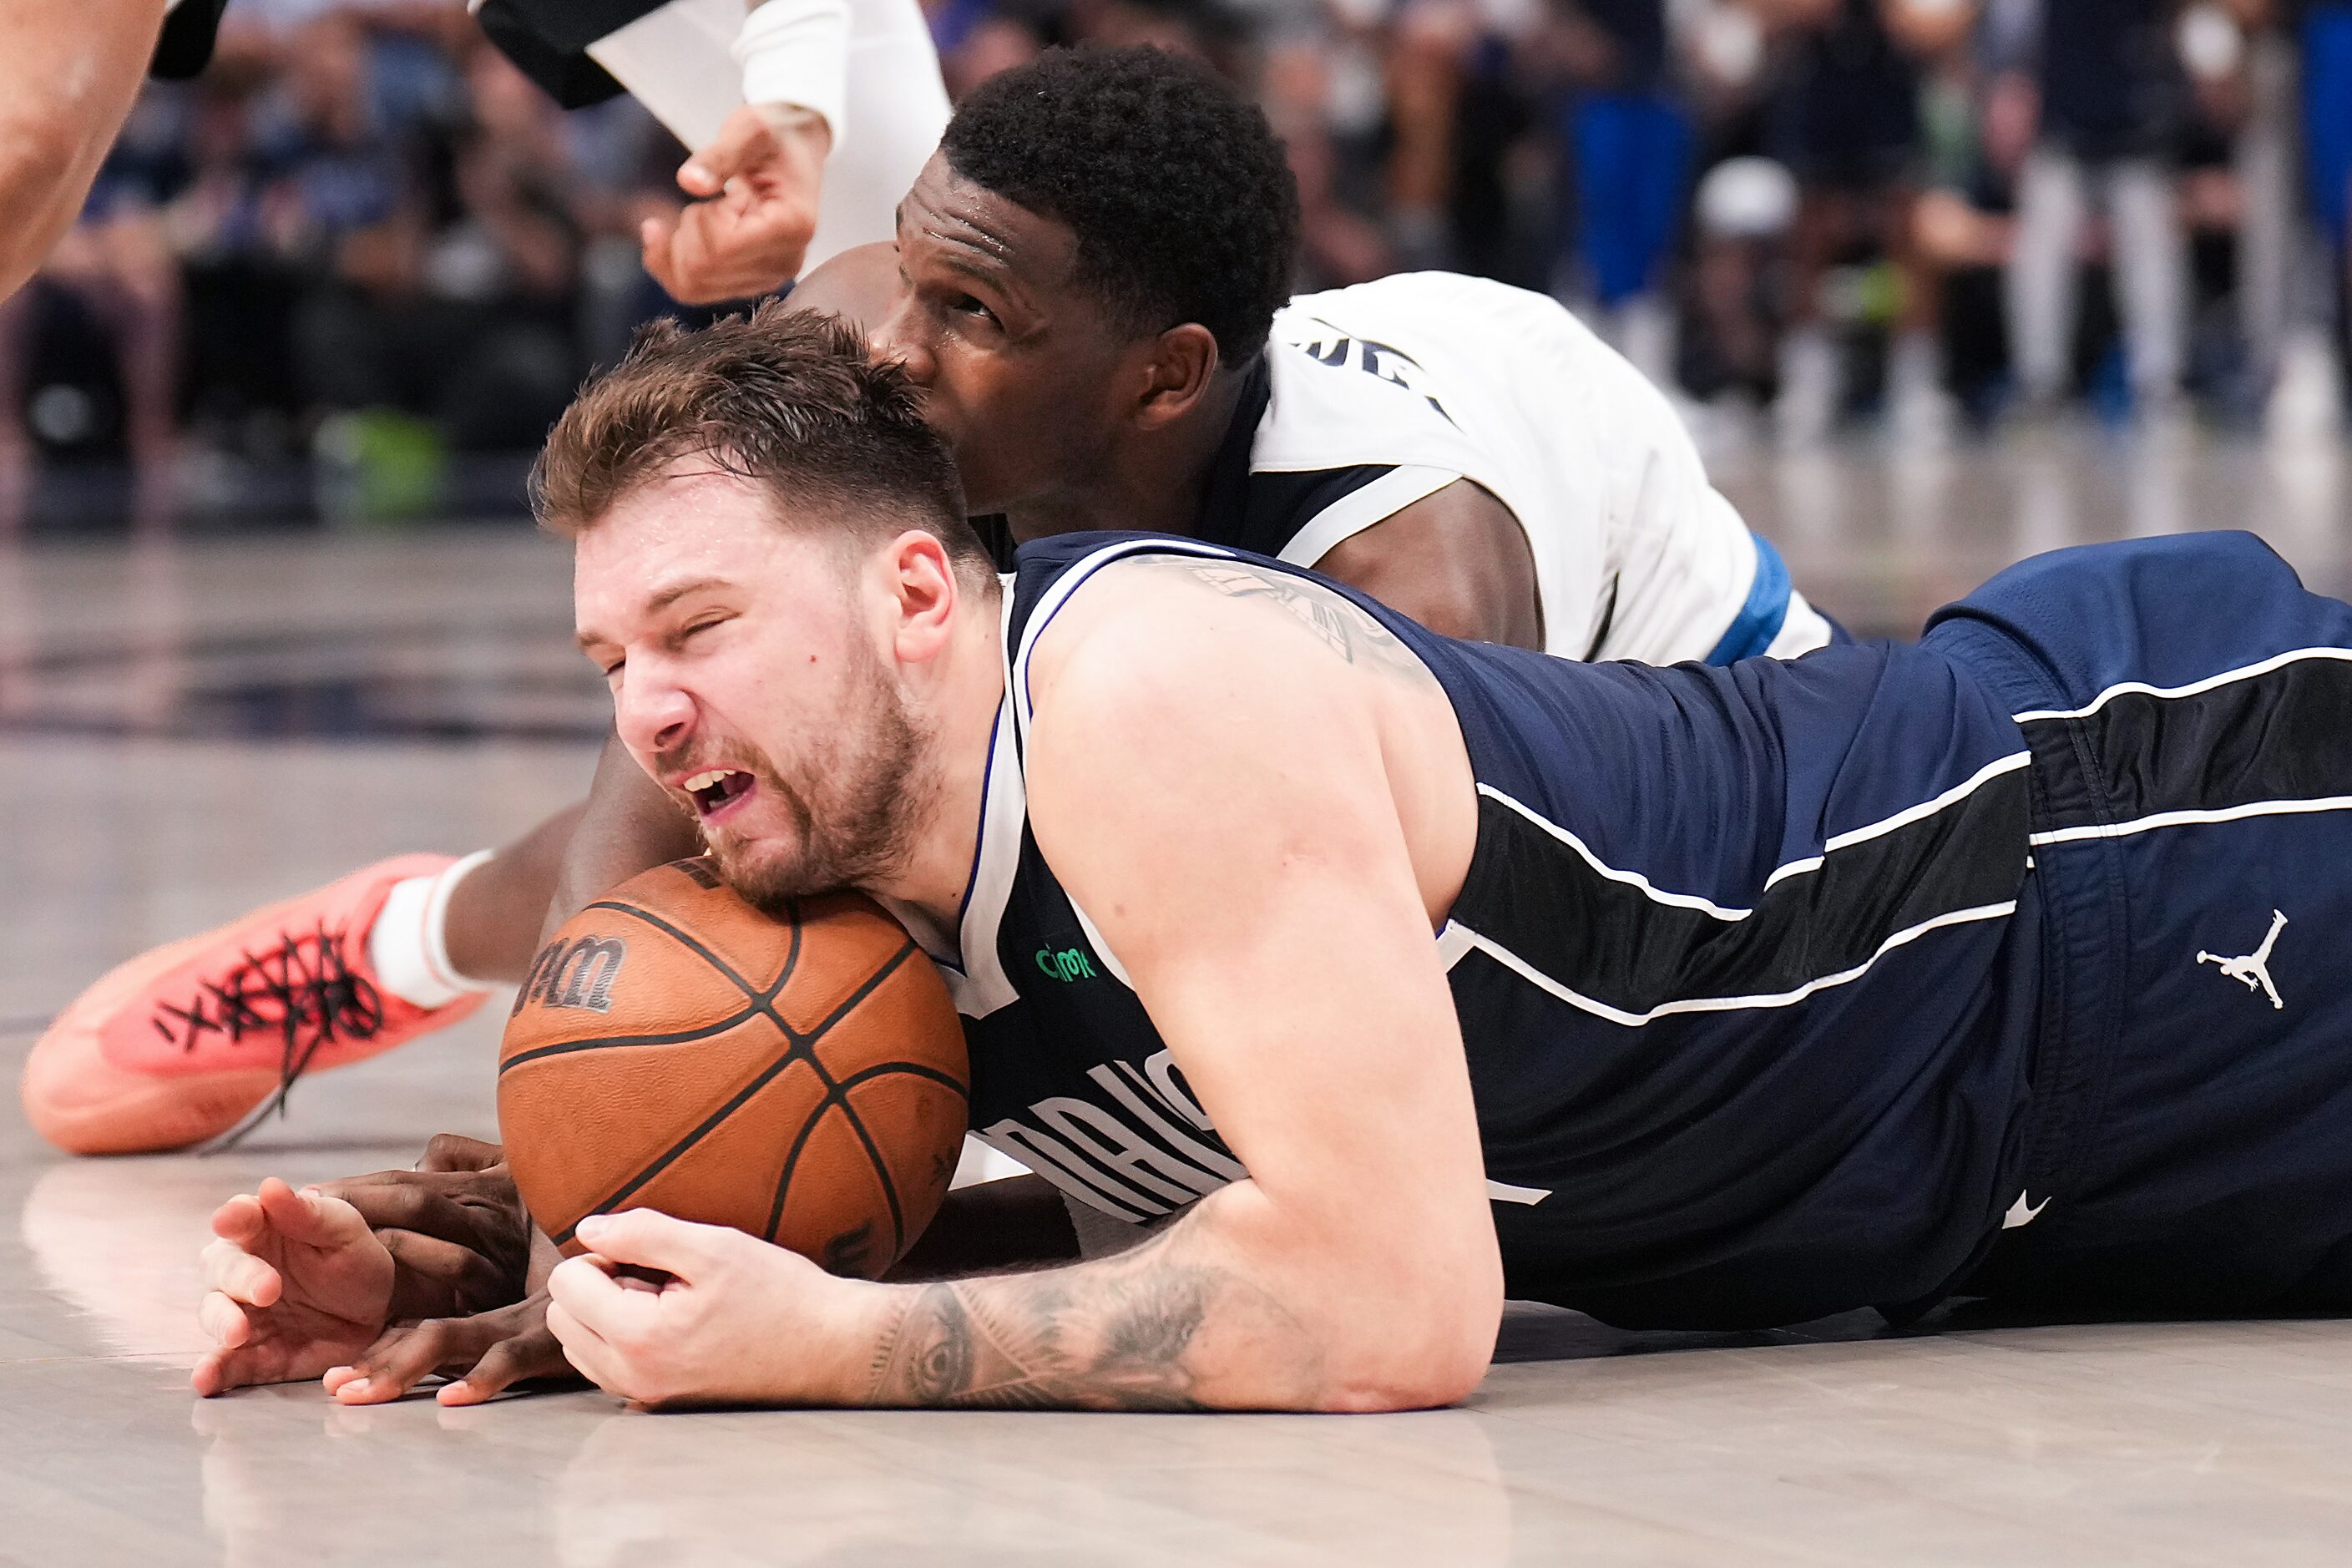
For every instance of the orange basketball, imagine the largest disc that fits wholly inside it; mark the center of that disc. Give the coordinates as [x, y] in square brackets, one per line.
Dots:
[803, 1080]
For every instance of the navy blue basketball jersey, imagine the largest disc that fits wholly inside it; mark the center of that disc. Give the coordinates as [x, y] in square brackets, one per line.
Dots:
[1736, 965]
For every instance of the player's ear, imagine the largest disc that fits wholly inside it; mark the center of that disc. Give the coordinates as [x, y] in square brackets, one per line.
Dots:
[1184, 362]
[922, 584]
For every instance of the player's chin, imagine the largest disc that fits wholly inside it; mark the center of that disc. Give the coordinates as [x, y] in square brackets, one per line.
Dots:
[767, 872]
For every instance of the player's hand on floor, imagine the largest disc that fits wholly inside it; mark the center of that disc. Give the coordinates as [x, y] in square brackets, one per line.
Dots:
[484, 1354]
[456, 1226]
[737, 1320]
[298, 1283]
[757, 181]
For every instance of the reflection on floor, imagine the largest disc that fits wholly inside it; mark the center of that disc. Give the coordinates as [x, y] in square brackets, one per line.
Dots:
[185, 732]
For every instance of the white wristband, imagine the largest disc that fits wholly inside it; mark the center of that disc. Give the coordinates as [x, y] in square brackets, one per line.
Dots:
[797, 52]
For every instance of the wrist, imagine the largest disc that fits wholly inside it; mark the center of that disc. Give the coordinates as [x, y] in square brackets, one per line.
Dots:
[796, 52]
[802, 132]
[867, 1320]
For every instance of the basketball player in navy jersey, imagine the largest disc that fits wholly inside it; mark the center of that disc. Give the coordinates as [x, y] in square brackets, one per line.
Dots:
[1422, 971]
[1090, 287]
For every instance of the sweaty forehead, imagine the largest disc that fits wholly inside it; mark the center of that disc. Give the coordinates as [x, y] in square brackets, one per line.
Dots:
[966, 226]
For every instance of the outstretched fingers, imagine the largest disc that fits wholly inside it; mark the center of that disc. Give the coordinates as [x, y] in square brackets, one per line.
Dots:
[399, 1359]
[535, 1353]
[486, 1353]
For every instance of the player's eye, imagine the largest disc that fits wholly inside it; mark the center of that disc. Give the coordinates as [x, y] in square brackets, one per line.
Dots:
[966, 305]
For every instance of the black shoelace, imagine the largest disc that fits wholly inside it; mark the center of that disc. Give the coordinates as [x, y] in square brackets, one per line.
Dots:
[300, 995]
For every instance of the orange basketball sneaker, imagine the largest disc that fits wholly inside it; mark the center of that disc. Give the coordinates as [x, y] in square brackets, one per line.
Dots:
[181, 1043]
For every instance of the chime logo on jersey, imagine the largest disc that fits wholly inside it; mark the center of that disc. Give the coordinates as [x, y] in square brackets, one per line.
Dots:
[1141, 1147]
[1070, 963]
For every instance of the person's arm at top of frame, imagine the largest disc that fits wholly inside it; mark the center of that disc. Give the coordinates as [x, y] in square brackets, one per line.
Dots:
[756, 183]
[1209, 776]
[1455, 560]
[68, 75]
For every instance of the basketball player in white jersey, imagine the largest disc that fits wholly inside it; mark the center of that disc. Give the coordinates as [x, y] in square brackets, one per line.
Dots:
[1090, 288]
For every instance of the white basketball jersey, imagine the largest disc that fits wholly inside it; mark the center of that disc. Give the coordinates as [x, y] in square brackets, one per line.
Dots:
[1381, 394]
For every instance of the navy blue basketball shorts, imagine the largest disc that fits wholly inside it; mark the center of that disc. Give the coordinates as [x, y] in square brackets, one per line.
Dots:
[2188, 1144]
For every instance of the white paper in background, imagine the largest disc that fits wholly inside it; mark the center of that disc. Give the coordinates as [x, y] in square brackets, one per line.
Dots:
[677, 62]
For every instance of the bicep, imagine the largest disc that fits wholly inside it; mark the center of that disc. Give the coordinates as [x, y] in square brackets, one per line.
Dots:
[1456, 561]
[1241, 854]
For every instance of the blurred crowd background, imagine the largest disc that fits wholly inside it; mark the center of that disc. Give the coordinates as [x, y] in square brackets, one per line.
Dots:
[357, 267]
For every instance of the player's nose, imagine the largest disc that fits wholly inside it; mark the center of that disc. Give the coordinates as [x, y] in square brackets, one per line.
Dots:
[650, 713]
[895, 338]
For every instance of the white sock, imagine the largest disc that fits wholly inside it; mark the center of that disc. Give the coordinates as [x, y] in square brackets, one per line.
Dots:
[406, 947]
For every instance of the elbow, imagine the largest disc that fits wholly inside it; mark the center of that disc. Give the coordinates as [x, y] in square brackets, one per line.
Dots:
[1417, 1350]
[1440, 1382]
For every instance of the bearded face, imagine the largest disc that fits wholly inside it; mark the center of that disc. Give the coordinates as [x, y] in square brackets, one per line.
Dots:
[840, 812]
[750, 680]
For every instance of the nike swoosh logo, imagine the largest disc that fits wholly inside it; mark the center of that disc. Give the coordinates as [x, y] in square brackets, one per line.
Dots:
[2019, 1215]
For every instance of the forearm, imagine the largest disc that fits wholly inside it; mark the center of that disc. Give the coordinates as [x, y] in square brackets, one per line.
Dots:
[1169, 1325]
[1195, 1318]
[629, 826]
[67, 77]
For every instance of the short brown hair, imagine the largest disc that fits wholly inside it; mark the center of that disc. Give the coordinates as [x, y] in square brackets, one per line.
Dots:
[788, 398]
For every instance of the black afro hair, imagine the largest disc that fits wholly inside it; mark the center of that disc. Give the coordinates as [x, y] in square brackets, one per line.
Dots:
[1184, 206]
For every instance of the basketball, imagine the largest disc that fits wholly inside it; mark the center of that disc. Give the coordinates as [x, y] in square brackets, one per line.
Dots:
[803, 1080]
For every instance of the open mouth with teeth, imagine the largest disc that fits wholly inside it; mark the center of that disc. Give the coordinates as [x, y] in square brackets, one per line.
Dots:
[717, 791]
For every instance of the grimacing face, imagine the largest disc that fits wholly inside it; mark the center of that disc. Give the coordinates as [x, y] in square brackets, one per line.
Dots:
[747, 681]
[1016, 361]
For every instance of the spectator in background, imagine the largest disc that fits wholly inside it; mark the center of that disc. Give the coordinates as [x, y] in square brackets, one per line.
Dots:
[1321, 91]
[451, 299]
[342, 201]
[115, 265]
[1846, 122]
[1742, 208]
[2325, 30]
[1630, 142]
[2111, 97]
[1981, 111]
[505, 274]
[2260, 91]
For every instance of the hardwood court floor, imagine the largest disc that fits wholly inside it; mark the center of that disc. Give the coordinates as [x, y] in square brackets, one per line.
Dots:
[186, 731]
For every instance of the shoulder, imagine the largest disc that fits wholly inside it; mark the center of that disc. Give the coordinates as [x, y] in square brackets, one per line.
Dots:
[1157, 648]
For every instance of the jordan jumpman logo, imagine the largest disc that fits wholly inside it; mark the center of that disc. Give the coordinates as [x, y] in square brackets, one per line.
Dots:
[2254, 970]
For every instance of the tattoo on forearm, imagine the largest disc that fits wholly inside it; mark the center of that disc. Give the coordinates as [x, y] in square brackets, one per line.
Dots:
[1340, 625]
[1119, 1335]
